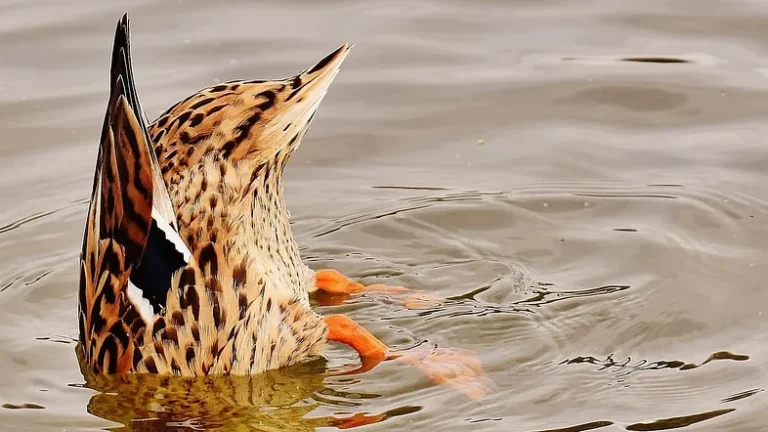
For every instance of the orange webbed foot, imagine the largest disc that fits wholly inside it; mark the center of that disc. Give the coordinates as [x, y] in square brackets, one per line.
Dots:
[336, 284]
[459, 369]
[412, 299]
[453, 367]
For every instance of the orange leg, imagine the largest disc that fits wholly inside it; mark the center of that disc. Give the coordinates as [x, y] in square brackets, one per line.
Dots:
[459, 369]
[342, 328]
[336, 284]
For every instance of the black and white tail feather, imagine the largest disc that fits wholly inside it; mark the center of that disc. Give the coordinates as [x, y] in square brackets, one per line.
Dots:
[163, 252]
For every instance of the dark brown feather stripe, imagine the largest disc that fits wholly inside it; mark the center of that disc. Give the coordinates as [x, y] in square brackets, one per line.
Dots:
[118, 225]
[135, 191]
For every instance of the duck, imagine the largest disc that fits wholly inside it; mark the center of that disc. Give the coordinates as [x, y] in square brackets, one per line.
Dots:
[189, 265]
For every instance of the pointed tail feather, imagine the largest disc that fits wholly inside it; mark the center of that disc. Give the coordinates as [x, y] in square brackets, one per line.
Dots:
[308, 89]
[129, 203]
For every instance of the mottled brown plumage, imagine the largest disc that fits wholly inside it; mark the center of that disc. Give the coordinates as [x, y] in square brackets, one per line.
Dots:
[239, 305]
[188, 264]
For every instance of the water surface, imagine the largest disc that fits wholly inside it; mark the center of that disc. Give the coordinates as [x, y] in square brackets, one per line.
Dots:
[584, 181]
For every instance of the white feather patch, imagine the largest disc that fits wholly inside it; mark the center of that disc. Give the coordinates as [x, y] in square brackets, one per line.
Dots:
[171, 235]
[142, 304]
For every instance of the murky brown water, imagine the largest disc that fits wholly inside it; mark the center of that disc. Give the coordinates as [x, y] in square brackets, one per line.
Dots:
[615, 151]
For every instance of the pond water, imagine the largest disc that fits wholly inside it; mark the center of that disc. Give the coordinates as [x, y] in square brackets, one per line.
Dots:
[585, 182]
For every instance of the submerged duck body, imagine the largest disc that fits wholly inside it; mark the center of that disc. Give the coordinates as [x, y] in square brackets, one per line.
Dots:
[189, 266]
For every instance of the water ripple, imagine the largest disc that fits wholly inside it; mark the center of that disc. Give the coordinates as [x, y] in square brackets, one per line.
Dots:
[742, 395]
[678, 422]
[37, 216]
[582, 427]
[466, 305]
[626, 367]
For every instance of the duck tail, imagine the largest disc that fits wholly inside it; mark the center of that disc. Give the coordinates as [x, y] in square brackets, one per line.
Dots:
[127, 224]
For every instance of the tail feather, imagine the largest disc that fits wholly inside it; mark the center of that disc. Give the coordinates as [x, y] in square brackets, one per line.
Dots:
[252, 122]
[129, 215]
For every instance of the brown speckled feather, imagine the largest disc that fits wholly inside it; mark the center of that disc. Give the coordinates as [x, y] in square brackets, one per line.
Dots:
[237, 302]
[222, 152]
[117, 227]
[255, 121]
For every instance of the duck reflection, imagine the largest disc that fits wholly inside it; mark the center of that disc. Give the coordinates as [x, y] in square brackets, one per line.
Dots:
[273, 401]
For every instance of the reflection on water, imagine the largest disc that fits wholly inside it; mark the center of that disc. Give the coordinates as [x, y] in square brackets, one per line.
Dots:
[577, 189]
[277, 400]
